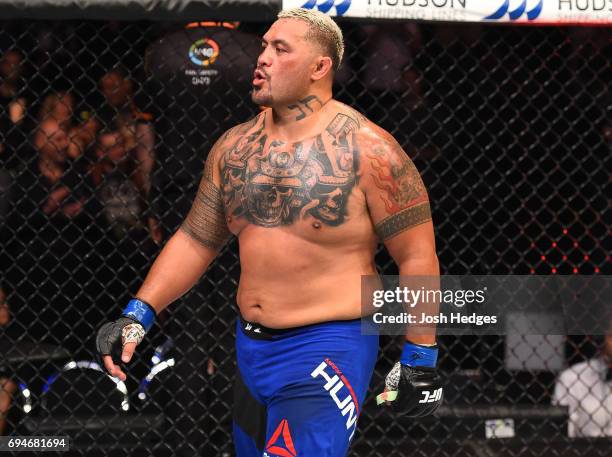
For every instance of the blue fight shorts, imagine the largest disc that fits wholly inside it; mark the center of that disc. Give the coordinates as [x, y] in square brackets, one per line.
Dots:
[299, 391]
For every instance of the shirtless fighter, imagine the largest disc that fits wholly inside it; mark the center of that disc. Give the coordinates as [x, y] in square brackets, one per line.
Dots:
[309, 187]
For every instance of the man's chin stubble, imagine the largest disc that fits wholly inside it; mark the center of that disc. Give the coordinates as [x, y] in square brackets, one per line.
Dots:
[259, 99]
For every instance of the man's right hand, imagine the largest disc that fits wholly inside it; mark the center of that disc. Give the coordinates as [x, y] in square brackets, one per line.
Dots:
[118, 340]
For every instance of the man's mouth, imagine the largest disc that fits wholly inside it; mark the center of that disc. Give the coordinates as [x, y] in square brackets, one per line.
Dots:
[259, 77]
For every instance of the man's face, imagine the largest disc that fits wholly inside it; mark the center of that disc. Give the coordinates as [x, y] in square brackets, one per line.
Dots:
[284, 65]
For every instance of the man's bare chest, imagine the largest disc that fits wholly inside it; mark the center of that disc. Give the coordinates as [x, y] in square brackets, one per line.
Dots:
[273, 183]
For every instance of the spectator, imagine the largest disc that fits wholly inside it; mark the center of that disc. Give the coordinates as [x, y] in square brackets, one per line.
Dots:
[120, 210]
[120, 114]
[118, 187]
[60, 106]
[12, 114]
[7, 386]
[585, 388]
[51, 141]
[14, 104]
[49, 237]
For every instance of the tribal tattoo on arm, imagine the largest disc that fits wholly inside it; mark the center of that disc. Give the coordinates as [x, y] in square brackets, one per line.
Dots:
[205, 222]
[399, 187]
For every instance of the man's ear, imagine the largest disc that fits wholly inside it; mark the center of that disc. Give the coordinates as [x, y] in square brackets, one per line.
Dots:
[323, 66]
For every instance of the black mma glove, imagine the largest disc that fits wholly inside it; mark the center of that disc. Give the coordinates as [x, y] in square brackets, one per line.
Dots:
[413, 387]
[137, 318]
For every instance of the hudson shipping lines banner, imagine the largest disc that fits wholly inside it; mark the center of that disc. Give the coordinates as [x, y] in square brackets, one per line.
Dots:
[537, 12]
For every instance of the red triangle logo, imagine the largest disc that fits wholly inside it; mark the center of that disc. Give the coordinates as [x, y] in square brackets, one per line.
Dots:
[281, 443]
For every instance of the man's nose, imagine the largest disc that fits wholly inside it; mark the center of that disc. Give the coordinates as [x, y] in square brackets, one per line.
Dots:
[264, 58]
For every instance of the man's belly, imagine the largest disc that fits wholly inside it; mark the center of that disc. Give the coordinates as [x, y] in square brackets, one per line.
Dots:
[296, 283]
[283, 306]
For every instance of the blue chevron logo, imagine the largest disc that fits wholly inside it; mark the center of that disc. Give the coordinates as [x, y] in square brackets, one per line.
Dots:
[519, 11]
[324, 6]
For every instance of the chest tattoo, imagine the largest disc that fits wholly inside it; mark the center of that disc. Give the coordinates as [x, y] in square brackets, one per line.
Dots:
[273, 183]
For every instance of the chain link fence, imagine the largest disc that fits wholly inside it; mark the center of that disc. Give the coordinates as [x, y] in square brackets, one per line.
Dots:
[103, 136]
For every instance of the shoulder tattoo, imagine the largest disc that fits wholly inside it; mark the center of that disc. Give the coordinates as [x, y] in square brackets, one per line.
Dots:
[401, 190]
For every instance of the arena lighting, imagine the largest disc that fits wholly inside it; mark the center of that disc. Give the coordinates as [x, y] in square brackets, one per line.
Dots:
[27, 397]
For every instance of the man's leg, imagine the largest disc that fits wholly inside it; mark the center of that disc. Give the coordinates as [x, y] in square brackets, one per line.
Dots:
[249, 421]
[317, 417]
[308, 383]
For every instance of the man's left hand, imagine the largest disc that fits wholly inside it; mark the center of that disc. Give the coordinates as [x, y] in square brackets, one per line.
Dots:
[413, 387]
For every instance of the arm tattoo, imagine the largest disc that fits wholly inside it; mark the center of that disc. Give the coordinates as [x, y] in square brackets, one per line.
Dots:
[403, 220]
[206, 222]
[305, 103]
[403, 192]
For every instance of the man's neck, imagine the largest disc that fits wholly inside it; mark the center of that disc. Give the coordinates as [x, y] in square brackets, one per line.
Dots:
[300, 109]
[293, 118]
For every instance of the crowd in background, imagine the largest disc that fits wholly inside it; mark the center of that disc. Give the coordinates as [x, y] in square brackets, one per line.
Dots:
[75, 221]
[79, 204]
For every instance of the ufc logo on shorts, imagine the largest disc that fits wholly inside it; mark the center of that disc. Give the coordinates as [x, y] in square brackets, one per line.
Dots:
[430, 397]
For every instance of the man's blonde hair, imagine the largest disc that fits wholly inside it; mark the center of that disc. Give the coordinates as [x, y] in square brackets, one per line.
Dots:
[322, 29]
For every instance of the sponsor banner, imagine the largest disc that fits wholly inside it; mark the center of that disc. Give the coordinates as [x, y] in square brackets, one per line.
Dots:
[487, 305]
[587, 12]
